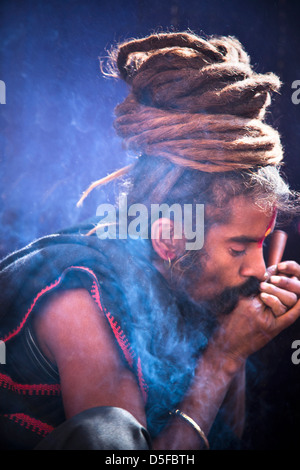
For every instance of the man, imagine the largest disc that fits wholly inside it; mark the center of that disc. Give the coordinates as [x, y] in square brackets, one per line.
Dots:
[139, 344]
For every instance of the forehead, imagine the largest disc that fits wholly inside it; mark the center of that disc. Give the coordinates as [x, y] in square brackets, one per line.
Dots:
[246, 220]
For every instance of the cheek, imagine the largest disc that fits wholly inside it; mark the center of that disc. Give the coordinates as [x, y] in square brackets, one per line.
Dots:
[218, 263]
[217, 271]
[224, 271]
[210, 283]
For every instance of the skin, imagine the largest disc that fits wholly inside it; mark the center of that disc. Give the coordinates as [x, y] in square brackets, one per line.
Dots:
[233, 253]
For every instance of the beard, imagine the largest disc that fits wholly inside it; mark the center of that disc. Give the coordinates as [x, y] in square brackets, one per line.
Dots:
[204, 315]
[199, 319]
[227, 301]
[223, 303]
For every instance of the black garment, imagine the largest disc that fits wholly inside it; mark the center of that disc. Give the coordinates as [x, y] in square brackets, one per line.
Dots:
[31, 403]
[160, 338]
[100, 428]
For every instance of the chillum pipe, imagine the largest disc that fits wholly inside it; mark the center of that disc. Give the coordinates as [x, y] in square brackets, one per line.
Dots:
[277, 247]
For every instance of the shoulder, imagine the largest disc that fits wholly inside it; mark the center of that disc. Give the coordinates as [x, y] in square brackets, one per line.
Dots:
[64, 318]
[75, 335]
[71, 325]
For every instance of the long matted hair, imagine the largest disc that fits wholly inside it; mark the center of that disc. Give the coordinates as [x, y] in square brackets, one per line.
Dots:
[194, 118]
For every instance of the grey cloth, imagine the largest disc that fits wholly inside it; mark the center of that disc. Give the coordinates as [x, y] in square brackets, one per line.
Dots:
[99, 428]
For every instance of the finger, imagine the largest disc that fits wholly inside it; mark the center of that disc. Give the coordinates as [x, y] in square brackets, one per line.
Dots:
[286, 297]
[290, 268]
[274, 304]
[291, 284]
[272, 270]
[284, 321]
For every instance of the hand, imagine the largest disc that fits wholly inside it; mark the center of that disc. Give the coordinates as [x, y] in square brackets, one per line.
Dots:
[252, 324]
[282, 291]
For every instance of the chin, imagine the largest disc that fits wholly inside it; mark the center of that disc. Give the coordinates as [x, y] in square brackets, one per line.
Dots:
[207, 294]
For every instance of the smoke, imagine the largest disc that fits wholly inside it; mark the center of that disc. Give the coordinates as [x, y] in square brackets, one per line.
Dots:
[179, 343]
[168, 330]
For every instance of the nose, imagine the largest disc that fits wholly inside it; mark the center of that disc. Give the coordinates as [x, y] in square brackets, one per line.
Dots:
[254, 265]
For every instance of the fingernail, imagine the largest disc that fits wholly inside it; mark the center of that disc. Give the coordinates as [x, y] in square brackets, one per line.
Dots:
[265, 296]
[282, 265]
[275, 279]
[272, 269]
[263, 285]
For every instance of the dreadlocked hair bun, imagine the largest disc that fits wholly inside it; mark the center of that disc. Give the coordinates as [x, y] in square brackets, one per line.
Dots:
[195, 102]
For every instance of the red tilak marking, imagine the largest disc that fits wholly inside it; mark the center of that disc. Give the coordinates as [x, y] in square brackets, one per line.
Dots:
[30, 389]
[269, 228]
[34, 425]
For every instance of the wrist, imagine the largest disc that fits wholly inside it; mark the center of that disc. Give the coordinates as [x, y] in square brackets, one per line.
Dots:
[221, 359]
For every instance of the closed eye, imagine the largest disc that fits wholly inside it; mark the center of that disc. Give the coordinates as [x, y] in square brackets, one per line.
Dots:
[236, 253]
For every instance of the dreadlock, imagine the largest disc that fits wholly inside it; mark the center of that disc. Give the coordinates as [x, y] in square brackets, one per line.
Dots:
[195, 116]
[197, 103]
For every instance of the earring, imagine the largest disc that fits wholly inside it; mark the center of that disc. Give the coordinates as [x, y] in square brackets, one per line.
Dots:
[168, 263]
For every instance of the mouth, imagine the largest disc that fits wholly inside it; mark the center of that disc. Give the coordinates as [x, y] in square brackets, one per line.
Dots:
[225, 302]
[250, 288]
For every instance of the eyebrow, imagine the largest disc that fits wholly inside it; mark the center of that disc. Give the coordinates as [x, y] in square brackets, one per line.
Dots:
[244, 239]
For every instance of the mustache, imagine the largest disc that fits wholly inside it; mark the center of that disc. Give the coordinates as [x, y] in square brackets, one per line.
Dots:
[250, 288]
[224, 303]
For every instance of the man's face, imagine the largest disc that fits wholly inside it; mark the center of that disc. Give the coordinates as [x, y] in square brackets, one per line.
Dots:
[232, 253]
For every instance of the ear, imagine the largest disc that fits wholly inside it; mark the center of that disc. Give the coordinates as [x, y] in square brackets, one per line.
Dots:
[163, 241]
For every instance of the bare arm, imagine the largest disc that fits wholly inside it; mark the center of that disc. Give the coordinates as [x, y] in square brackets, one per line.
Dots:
[74, 335]
[246, 330]
[78, 340]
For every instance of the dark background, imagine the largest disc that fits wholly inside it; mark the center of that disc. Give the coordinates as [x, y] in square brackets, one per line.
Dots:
[57, 137]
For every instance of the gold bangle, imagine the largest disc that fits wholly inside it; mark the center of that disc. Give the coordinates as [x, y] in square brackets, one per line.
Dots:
[194, 425]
